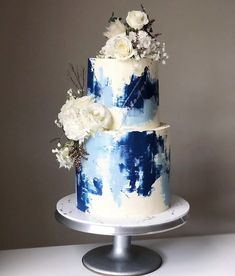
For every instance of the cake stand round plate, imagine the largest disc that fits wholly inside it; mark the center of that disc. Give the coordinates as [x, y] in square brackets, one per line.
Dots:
[122, 258]
[175, 216]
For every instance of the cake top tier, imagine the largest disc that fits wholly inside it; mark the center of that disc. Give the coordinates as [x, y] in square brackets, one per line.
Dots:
[128, 88]
[133, 38]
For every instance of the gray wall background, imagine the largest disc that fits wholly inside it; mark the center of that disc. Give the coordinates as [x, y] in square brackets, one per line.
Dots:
[197, 97]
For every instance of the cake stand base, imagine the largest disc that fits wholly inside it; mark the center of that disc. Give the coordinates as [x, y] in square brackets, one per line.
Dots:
[122, 258]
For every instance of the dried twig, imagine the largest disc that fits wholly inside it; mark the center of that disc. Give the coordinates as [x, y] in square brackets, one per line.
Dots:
[143, 9]
[78, 152]
[74, 76]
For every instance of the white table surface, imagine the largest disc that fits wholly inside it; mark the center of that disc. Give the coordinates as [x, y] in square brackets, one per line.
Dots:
[200, 255]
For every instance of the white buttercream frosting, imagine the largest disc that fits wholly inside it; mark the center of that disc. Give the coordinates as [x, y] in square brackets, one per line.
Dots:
[118, 117]
[133, 206]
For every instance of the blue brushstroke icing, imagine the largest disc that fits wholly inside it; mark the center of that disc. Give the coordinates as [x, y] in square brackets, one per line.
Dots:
[84, 188]
[93, 86]
[134, 93]
[100, 147]
[102, 88]
[140, 97]
[163, 161]
[139, 89]
[141, 146]
[138, 116]
[135, 161]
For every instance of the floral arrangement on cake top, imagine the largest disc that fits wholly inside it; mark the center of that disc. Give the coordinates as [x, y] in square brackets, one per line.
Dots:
[79, 118]
[133, 38]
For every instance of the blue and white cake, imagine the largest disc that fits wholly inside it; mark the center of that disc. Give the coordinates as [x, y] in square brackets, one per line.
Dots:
[126, 173]
[112, 132]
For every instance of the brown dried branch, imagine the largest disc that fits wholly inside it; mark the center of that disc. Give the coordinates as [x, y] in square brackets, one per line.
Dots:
[143, 9]
[74, 76]
[78, 152]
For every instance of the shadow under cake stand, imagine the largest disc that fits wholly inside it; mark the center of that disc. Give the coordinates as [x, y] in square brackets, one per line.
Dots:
[122, 258]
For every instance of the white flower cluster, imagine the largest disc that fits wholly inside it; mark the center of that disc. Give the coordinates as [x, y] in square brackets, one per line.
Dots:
[62, 155]
[79, 118]
[82, 117]
[133, 39]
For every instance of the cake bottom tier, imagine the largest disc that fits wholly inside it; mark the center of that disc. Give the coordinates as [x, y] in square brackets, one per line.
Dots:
[126, 174]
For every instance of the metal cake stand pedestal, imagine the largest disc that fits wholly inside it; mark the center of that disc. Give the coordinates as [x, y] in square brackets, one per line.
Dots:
[122, 258]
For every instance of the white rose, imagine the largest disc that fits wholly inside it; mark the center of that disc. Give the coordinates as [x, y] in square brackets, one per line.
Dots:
[75, 130]
[137, 19]
[96, 117]
[115, 28]
[69, 118]
[119, 47]
[81, 117]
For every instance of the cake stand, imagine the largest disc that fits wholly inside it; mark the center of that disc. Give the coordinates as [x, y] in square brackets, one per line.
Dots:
[122, 258]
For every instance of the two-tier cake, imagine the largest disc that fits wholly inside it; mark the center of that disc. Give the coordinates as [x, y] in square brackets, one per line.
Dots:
[120, 149]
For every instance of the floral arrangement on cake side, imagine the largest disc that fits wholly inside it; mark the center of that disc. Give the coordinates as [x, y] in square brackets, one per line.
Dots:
[133, 38]
[81, 117]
